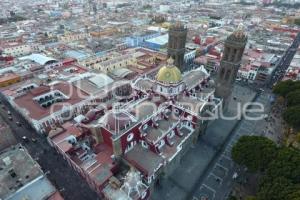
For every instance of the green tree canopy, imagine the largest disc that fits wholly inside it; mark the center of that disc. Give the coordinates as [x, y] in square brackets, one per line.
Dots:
[255, 152]
[292, 116]
[285, 87]
[232, 198]
[251, 198]
[293, 98]
[278, 189]
[281, 178]
[286, 164]
[297, 21]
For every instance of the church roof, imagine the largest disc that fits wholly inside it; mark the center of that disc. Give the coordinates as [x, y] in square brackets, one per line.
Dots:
[169, 73]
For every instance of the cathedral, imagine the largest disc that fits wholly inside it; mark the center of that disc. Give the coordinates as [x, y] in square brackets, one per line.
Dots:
[124, 149]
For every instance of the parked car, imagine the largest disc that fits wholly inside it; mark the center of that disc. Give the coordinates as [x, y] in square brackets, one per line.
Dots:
[18, 123]
[10, 118]
[25, 139]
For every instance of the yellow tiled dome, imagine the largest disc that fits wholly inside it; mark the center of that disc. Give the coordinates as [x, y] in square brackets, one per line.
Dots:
[169, 74]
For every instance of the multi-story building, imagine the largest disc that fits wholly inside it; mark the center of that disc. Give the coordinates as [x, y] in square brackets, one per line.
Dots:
[70, 37]
[16, 49]
[9, 79]
[21, 177]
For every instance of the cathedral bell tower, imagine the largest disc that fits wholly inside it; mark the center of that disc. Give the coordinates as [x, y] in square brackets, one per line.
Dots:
[176, 44]
[231, 60]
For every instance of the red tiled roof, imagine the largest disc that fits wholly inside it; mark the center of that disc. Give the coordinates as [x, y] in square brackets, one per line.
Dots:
[8, 77]
[40, 90]
[36, 111]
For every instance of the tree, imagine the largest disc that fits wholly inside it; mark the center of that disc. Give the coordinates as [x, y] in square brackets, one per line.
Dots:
[293, 98]
[281, 178]
[297, 21]
[294, 193]
[284, 87]
[291, 116]
[255, 152]
[286, 164]
[278, 189]
[232, 198]
[251, 198]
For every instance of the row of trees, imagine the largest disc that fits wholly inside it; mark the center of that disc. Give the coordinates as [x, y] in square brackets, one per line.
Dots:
[297, 21]
[279, 166]
[290, 91]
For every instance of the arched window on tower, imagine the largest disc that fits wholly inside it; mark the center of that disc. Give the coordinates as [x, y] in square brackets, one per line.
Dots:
[232, 55]
[228, 74]
[240, 55]
[222, 73]
[226, 53]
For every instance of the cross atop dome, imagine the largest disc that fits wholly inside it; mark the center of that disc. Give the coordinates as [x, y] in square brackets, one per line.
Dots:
[240, 31]
[170, 62]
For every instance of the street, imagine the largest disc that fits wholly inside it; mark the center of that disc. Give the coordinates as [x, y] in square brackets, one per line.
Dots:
[284, 62]
[66, 180]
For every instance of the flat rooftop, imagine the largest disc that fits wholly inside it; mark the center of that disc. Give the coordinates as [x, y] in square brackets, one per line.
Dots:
[35, 111]
[18, 169]
[145, 160]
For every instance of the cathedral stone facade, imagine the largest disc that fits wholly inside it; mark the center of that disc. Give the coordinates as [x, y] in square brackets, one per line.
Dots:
[231, 60]
[176, 44]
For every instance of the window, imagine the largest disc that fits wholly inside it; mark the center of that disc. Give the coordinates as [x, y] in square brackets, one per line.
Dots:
[161, 143]
[130, 137]
[144, 195]
[228, 74]
[144, 144]
[171, 134]
[222, 73]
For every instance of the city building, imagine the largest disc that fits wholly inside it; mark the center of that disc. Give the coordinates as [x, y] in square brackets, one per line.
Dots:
[9, 79]
[21, 177]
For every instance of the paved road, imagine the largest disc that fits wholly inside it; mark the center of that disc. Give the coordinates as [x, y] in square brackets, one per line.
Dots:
[285, 62]
[71, 185]
[218, 181]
